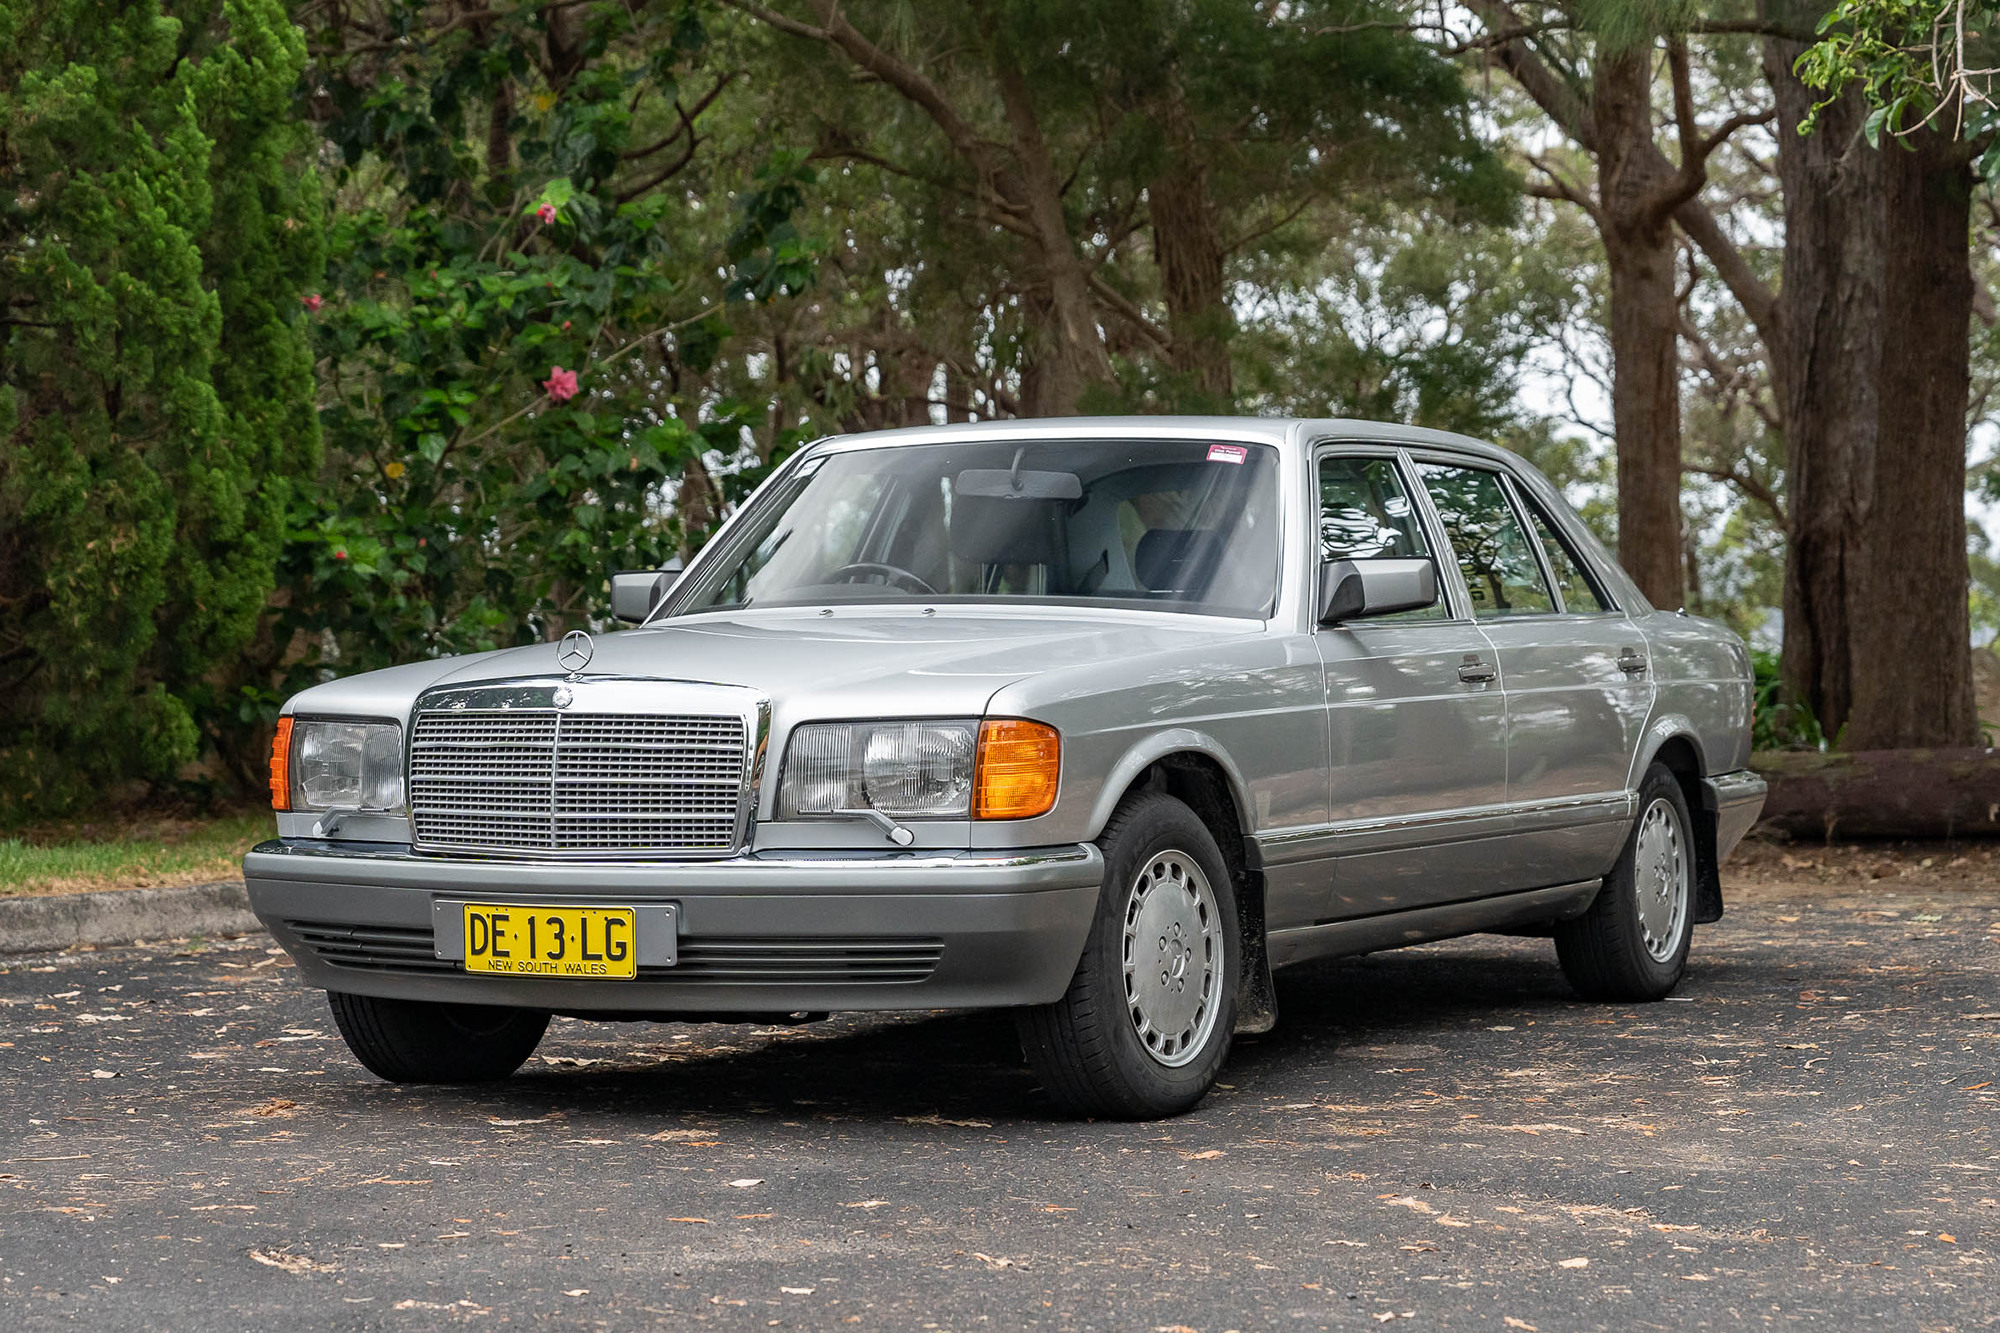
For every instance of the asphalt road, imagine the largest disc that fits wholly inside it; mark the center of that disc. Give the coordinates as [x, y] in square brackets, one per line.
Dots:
[1439, 1137]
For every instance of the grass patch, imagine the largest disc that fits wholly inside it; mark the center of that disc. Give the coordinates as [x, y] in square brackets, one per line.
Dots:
[75, 856]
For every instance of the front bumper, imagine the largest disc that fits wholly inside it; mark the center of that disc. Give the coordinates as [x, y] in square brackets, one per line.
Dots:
[760, 934]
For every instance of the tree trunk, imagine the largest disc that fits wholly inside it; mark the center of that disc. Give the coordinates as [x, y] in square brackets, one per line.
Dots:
[1645, 324]
[1952, 793]
[1066, 347]
[1876, 305]
[1188, 248]
[1189, 252]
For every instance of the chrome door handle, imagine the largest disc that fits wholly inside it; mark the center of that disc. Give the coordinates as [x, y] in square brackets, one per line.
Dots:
[1631, 663]
[1475, 672]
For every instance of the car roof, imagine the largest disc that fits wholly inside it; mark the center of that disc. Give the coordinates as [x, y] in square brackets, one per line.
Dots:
[1283, 432]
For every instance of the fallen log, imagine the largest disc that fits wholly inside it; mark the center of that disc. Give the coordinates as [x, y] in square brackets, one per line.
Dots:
[1952, 793]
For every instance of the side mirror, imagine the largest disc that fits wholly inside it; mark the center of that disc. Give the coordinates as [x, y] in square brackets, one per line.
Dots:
[635, 592]
[1357, 589]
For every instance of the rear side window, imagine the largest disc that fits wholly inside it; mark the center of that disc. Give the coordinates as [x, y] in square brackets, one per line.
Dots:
[1580, 595]
[1502, 576]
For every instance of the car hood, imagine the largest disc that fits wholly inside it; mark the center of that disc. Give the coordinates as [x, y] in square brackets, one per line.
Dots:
[855, 662]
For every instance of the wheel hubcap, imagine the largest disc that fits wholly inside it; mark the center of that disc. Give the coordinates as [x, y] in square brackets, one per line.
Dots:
[1661, 876]
[1173, 958]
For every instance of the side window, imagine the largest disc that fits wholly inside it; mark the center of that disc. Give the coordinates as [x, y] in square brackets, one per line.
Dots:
[1365, 513]
[1502, 575]
[1579, 593]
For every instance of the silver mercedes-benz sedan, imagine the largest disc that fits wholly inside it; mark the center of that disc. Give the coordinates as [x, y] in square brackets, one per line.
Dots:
[1098, 720]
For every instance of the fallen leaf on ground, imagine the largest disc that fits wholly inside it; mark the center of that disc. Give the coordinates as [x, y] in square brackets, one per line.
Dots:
[697, 1221]
[868, 1203]
[286, 1262]
[1512, 1322]
[282, 1108]
[538, 1120]
[798, 1291]
[940, 1120]
[1574, 1263]
[996, 1264]
[745, 1183]
[1204, 1155]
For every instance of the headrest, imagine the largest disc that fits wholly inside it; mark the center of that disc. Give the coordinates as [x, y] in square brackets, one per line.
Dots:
[1167, 558]
[990, 531]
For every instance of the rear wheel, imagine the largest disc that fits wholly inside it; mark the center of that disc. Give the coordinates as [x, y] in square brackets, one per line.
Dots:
[422, 1041]
[1146, 1022]
[1633, 942]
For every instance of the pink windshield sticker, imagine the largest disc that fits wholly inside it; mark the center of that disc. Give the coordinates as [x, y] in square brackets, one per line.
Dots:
[1228, 453]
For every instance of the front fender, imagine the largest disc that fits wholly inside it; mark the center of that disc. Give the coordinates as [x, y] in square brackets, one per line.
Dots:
[1155, 747]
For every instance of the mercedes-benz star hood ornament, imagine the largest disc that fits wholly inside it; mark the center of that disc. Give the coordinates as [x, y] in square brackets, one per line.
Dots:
[575, 652]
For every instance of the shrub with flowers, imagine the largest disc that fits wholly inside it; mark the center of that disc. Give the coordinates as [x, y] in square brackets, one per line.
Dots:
[502, 338]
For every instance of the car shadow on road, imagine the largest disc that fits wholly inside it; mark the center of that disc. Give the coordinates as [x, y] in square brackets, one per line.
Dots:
[968, 1067]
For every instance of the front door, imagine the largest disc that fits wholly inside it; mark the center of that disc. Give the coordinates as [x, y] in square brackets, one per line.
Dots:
[1416, 719]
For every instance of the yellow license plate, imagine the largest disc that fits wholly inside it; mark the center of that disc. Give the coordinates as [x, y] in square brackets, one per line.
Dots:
[517, 940]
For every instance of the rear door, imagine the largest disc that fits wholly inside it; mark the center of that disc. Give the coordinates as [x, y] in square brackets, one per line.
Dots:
[1573, 667]
[1416, 719]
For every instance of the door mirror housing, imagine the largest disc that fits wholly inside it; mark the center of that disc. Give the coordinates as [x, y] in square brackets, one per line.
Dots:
[1357, 589]
[636, 592]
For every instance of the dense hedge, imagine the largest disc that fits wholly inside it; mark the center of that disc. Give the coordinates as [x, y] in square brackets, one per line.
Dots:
[157, 231]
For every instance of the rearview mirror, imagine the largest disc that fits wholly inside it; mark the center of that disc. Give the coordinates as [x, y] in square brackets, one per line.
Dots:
[1001, 484]
[635, 592]
[1357, 589]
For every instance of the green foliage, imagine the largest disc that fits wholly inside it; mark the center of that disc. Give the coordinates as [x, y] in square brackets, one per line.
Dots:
[501, 325]
[155, 233]
[1779, 724]
[1915, 62]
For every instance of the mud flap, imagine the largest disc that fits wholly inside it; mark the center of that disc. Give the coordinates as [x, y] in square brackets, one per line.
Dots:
[1256, 994]
[1708, 875]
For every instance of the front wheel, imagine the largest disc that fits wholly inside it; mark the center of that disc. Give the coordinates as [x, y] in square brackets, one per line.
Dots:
[1146, 1022]
[423, 1041]
[1633, 942]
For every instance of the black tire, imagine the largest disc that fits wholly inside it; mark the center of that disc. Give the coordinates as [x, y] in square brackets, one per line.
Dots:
[421, 1041]
[1087, 1047]
[1606, 953]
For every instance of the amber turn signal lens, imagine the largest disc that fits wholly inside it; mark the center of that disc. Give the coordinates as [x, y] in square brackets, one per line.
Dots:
[1015, 775]
[281, 766]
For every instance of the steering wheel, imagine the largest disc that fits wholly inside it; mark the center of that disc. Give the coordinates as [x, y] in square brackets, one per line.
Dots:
[896, 574]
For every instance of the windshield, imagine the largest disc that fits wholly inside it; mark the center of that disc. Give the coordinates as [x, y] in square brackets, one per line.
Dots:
[1186, 525]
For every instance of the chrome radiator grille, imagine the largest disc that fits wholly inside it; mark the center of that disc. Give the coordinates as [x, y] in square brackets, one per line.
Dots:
[542, 782]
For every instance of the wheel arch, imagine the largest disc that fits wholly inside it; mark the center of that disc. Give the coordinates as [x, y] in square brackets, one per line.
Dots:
[1672, 741]
[1192, 768]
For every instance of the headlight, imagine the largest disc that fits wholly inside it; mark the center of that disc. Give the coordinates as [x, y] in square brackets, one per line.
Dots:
[337, 765]
[997, 769]
[911, 770]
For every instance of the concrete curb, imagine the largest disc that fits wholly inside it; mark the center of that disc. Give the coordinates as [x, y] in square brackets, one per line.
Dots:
[55, 921]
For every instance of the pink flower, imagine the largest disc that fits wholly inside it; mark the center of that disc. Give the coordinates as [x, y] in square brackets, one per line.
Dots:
[561, 384]
[565, 327]
[547, 213]
[340, 555]
[312, 302]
